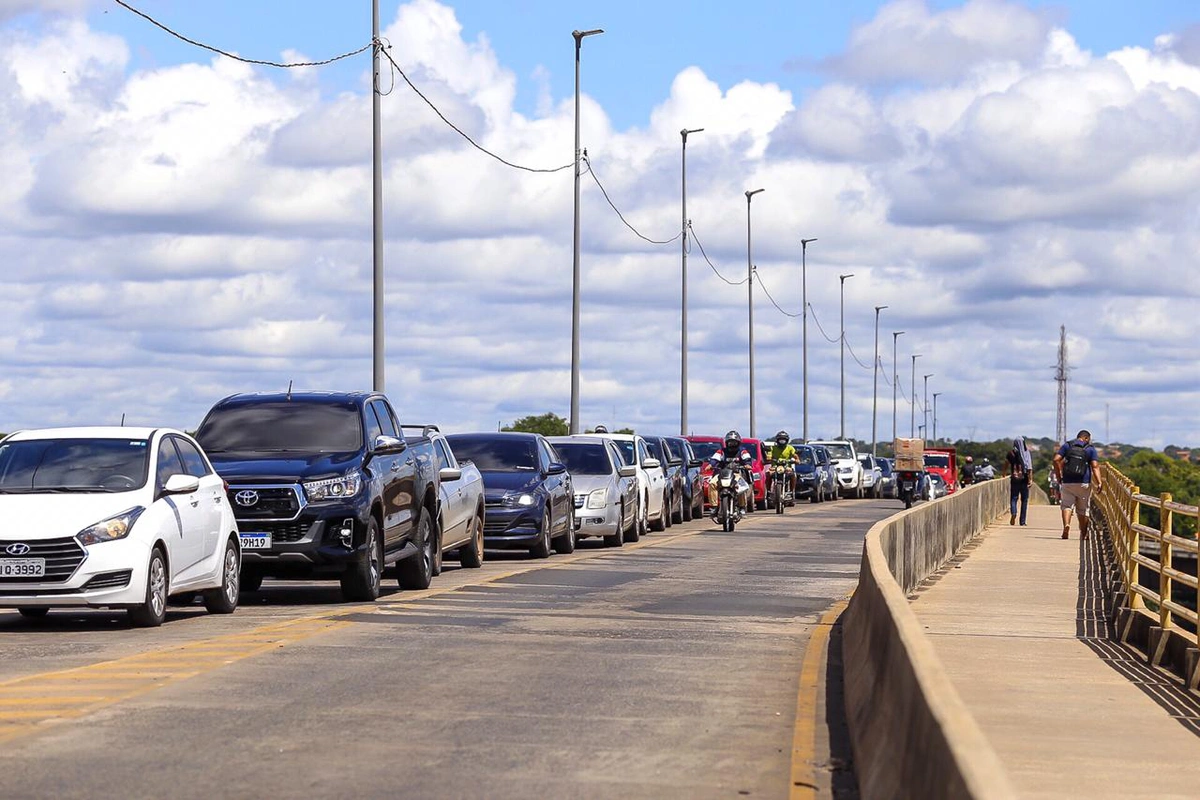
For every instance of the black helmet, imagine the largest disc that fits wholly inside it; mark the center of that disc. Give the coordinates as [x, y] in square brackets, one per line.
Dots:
[733, 439]
[782, 437]
[601, 429]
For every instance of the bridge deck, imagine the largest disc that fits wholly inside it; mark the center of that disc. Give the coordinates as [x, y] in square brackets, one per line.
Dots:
[1019, 623]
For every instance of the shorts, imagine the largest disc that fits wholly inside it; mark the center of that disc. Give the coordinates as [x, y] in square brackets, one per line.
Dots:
[1077, 495]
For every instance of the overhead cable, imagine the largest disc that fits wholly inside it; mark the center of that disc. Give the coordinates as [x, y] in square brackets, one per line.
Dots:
[710, 263]
[227, 54]
[828, 338]
[767, 292]
[596, 178]
[459, 130]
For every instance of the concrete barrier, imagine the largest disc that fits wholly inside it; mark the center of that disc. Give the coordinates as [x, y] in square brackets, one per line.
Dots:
[911, 733]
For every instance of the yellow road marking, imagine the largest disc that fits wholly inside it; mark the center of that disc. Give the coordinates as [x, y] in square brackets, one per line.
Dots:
[804, 737]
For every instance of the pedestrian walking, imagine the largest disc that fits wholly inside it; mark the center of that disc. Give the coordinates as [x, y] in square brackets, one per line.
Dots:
[1078, 472]
[1020, 475]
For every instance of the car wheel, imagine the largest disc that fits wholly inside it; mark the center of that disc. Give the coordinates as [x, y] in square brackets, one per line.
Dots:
[618, 538]
[361, 581]
[250, 579]
[153, 609]
[470, 555]
[668, 513]
[224, 599]
[677, 516]
[33, 612]
[542, 548]
[416, 572]
[565, 545]
[687, 510]
[437, 551]
[640, 523]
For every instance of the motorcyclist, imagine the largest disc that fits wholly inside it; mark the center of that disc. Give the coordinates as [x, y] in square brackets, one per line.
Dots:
[985, 472]
[968, 472]
[731, 452]
[782, 452]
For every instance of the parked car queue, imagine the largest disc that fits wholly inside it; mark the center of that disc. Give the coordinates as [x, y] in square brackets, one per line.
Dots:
[324, 485]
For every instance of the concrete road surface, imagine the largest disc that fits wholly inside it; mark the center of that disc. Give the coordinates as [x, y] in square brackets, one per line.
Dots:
[670, 668]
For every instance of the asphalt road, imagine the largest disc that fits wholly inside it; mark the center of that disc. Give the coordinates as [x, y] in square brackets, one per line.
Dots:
[670, 668]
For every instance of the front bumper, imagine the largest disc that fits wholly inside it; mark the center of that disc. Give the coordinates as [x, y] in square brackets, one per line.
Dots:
[311, 542]
[515, 528]
[112, 574]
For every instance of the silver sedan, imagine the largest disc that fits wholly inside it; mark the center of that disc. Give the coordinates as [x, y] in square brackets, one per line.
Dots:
[605, 488]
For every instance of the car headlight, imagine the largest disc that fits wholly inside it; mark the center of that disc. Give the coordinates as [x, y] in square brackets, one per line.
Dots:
[598, 498]
[514, 500]
[111, 529]
[333, 488]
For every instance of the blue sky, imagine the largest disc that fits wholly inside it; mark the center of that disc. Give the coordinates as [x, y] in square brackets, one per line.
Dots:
[176, 227]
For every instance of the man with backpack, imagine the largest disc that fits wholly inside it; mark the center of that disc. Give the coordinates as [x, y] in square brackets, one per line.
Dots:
[1078, 471]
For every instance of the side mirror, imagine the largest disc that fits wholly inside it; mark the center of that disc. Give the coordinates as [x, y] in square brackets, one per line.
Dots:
[628, 471]
[695, 462]
[651, 463]
[556, 468]
[449, 474]
[181, 484]
[388, 444]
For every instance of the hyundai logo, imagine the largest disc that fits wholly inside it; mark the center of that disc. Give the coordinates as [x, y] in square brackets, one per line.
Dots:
[18, 549]
[246, 498]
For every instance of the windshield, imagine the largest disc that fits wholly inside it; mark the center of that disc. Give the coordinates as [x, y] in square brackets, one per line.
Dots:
[806, 455]
[655, 451]
[839, 450]
[885, 466]
[282, 427]
[73, 465]
[937, 460]
[705, 450]
[495, 455]
[584, 459]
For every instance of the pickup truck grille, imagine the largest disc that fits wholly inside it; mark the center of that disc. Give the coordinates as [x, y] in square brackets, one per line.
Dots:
[280, 531]
[63, 557]
[264, 502]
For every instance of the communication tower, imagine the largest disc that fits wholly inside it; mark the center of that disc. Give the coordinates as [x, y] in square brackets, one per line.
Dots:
[1061, 374]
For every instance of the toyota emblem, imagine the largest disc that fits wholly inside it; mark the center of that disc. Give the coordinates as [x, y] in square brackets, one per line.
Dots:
[246, 498]
[18, 549]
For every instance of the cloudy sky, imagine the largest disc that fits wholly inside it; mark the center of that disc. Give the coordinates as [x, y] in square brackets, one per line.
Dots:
[176, 226]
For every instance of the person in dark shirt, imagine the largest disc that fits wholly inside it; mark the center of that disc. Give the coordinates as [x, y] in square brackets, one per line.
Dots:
[1077, 468]
[1020, 474]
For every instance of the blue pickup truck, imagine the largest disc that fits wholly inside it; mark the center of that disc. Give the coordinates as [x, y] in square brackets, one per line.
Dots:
[324, 484]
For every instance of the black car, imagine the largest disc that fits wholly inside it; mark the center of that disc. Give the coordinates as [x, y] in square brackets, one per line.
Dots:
[809, 480]
[675, 468]
[693, 492]
[527, 493]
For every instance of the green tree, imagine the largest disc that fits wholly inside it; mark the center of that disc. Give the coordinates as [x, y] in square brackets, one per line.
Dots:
[548, 424]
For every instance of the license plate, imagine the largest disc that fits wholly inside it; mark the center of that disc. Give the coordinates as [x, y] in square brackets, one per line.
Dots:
[22, 568]
[255, 541]
[908, 485]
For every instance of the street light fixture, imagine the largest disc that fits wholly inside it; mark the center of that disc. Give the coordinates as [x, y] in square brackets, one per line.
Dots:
[750, 298]
[875, 383]
[842, 339]
[683, 347]
[925, 407]
[912, 409]
[804, 327]
[574, 424]
[895, 381]
[935, 436]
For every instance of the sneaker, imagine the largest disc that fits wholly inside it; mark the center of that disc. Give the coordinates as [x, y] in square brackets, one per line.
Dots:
[1066, 533]
[1012, 519]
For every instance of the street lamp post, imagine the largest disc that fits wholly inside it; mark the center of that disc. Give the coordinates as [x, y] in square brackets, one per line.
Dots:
[750, 298]
[935, 436]
[912, 409]
[875, 383]
[683, 347]
[925, 406]
[377, 371]
[574, 425]
[804, 326]
[842, 339]
[895, 381]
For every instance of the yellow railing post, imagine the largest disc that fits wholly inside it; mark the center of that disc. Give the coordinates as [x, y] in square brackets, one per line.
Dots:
[1164, 560]
[1135, 539]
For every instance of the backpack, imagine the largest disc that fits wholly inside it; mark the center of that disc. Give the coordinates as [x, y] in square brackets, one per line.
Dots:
[1075, 464]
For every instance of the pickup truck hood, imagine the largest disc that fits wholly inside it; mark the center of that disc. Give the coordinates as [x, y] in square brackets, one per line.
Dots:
[284, 467]
[34, 517]
[498, 484]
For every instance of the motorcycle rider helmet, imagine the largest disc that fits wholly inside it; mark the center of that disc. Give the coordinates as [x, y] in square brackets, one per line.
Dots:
[782, 438]
[601, 429]
[733, 439]
[969, 459]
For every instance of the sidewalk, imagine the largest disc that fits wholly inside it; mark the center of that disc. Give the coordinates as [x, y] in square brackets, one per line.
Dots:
[1019, 624]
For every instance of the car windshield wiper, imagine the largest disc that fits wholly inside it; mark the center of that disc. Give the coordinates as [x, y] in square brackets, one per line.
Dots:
[55, 490]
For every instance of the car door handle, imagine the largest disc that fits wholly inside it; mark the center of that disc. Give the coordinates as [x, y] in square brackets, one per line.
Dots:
[195, 502]
[396, 465]
[409, 461]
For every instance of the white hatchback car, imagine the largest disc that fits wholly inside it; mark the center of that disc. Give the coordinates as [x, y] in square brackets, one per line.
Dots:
[113, 518]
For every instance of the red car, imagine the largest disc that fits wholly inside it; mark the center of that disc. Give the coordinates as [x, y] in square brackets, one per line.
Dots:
[705, 446]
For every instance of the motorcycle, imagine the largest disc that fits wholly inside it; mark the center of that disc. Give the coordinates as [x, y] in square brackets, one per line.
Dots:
[907, 486]
[780, 494]
[727, 514]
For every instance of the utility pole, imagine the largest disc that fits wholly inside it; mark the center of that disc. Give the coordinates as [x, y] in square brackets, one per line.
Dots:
[925, 407]
[377, 372]
[875, 383]
[750, 298]
[935, 436]
[683, 349]
[804, 327]
[1061, 375]
[912, 413]
[842, 339]
[574, 424]
[895, 381]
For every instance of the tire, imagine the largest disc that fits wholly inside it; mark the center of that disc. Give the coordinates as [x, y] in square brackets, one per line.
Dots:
[727, 520]
[470, 555]
[33, 612]
[224, 599]
[677, 516]
[778, 498]
[618, 538]
[184, 599]
[153, 609]
[542, 548]
[687, 510]
[416, 572]
[565, 545]
[362, 582]
[668, 513]
[250, 580]
[639, 524]
[659, 524]
[698, 505]
[437, 551]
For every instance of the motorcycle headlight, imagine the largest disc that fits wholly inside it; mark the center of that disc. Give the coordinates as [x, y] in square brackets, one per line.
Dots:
[725, 481]
[333, 488]
[515, 500]
[111, 529]
[598, 498]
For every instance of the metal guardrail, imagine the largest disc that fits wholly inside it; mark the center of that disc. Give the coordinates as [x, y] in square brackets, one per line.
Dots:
[1123, 505]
